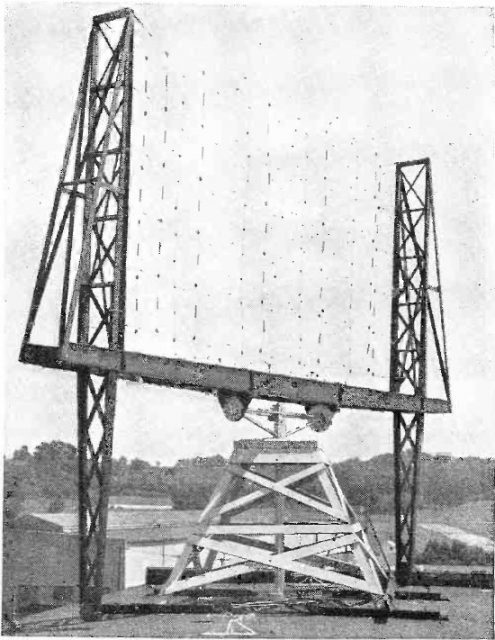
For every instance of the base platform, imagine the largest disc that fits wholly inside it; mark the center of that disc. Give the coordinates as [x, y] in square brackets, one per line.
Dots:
[311, 600]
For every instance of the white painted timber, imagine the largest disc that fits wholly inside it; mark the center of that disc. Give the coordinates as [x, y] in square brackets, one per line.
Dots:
[288, 563]
[276, 487]
[286, 529]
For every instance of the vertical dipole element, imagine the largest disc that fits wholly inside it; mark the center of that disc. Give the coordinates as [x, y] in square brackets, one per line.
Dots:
[411, 317]
[98, 295]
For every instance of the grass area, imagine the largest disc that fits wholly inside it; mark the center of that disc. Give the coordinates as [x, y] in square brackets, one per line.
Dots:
[474, 517]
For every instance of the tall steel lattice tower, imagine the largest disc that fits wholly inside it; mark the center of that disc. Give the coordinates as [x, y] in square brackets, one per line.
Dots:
[88, 231]
[414, 314]
[93, 191]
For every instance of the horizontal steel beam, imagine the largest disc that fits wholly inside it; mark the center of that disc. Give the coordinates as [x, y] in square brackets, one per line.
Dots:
[112, 15]
[207, 378]
[411, 163]
[288, 606]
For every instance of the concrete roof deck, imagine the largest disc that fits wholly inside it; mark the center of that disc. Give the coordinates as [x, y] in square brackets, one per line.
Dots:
[470, 613]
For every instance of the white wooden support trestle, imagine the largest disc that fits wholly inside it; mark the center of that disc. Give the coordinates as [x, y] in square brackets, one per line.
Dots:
[243, 530]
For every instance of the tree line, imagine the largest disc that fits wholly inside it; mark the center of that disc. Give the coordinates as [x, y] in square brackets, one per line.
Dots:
[47, 478]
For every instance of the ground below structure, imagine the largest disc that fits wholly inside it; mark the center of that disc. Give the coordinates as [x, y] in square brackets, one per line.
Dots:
[469, 612]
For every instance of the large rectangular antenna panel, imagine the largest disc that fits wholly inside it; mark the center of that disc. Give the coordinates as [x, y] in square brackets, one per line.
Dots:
[260, 228]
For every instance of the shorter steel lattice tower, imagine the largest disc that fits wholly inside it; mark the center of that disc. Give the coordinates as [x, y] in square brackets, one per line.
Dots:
[411, 318]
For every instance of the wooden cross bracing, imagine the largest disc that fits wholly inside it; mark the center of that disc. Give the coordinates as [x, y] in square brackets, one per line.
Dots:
[332, 548]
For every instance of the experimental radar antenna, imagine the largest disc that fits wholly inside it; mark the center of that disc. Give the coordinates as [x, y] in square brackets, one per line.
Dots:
[92, 197]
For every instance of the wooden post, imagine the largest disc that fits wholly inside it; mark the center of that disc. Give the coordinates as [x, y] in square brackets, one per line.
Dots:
[281, 432]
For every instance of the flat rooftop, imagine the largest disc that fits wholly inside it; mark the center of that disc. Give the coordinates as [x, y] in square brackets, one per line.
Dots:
[470, 613]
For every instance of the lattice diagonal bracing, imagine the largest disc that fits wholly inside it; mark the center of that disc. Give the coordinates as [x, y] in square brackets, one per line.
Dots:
[417, 315]
[92, 196]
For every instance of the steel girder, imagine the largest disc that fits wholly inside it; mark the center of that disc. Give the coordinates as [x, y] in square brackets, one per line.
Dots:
[208, 378]
[411, 318]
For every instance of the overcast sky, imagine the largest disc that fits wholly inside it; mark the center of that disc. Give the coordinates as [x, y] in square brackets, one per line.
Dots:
[394, 84]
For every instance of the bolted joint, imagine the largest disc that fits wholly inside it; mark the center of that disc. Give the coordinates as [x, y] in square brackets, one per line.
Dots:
[90, 601]
[403, 573]
[233, 405]
[320, 416]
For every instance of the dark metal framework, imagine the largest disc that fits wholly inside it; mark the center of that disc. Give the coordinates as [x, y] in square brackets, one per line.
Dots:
[197, 376]
[99, 291]
[90, 215]
[93, 193]
[412, 320]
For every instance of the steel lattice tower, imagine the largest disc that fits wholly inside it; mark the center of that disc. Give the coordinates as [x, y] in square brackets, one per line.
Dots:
[412, 315]
[99, 144]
